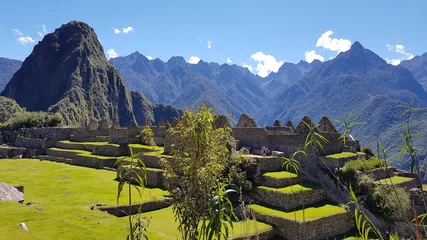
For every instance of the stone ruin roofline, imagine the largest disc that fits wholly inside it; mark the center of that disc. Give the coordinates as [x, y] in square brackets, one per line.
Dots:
[324, 125]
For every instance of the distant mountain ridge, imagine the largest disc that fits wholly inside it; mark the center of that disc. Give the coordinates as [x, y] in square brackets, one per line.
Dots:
[418, 67]
[288, 74]
[357, 80]
[7, 68]
[230, 88]
[67, 72]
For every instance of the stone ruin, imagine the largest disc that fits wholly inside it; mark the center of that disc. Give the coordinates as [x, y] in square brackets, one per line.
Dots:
[286, 139]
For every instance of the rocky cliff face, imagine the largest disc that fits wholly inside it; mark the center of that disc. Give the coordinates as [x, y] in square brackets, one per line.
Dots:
[67, 72]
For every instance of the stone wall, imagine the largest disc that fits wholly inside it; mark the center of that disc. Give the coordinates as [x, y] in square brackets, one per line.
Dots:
[321, 228]
[290, 200]
[10, 152]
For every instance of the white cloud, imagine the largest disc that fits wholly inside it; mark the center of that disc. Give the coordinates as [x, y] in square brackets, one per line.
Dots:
[43, 32]
[312, 55]
[249, 67]
[22, 39]
[333, 44]
[128, 29]
[112, 53]
[229, 60]
[25, 40]
[193, 60]
[124, 30]
[266, 64]
[200, 40]
[394, 62]
[150, 58]
[398, 48]
[209, 44]
[17, 32]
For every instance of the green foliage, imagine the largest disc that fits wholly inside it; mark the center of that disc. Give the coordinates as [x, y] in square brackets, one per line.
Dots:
[292, 164]
[363, 223]
[368, 152]
[365, 183]
[148, 136]
[132, 170]
[348, 122]
[361, 164]
[32, 119]
[221, 216]
[314, 139]
[392, 202]
[8, 109]
[202, 153]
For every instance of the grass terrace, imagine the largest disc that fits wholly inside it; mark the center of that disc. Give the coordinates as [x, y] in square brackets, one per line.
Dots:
[280, 175]
[343, 155]
[293, 189]
[91, 143]
[311, 213]
[81, 153]
[393, 180]
[64, 194]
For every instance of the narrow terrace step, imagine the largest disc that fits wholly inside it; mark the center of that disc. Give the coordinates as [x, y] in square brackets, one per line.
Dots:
[404, 182]
[291, 196]
[82, 158]
[278, 179]
[98, 148]
[312, 223]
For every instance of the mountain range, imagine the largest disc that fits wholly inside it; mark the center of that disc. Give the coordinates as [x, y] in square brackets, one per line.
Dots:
[84, 85]
[67, 72]
[232, 89]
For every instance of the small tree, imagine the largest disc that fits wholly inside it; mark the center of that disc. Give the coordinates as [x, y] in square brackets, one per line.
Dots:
[132, 172]
[148, 136]
[201, 154]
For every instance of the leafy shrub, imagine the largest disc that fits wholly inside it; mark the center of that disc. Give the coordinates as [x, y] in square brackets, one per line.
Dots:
[32, 119]
[8, 109]
[391, 202]
[368, 152]
[148, 136]
[365, 183]
[362, 164]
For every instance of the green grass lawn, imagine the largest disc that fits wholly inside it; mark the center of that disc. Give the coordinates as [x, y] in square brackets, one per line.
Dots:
[394, 180]
[293, 189]
[342, 155]
[65, 193]
[280, 175]
[311, 213]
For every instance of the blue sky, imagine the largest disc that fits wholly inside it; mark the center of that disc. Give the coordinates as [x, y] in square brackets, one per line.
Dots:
[259, 34]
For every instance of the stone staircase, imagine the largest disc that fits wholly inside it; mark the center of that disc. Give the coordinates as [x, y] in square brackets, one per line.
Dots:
[297, 209]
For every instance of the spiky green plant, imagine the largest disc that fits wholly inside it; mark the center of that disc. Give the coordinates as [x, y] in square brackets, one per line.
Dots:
[132, 172]
[292, 164]
[364, 225]
[314, 139]
[348, 122]
[221, 216]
